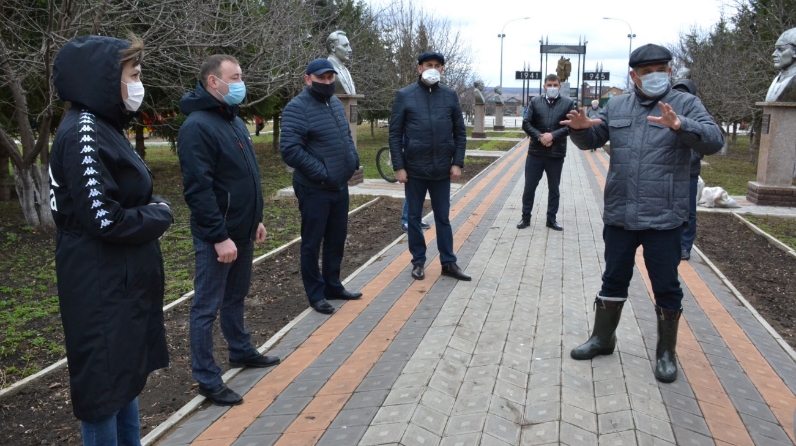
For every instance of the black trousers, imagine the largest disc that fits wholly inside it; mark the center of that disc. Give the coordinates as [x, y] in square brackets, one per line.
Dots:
[535, 166]
[661, 257]
[324, 218]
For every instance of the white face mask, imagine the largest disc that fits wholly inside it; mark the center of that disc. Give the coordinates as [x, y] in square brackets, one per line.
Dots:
[654, 84]
[431, 76]
[135, 95]
[552, 92]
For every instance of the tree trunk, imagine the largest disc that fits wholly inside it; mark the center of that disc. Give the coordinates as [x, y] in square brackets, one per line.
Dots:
[725, 149]
[140, 147]
[372, 124]
[34, 195]
[734, 132]
[5, 178]
[277, 131]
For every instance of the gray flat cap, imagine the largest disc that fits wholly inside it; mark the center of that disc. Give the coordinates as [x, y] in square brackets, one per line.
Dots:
[649, 54]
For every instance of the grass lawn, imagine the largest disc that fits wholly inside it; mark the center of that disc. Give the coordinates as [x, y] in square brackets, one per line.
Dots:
[783, 229]
[732, 171]
[490, 145]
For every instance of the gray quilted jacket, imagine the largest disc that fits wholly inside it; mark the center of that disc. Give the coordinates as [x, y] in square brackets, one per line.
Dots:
[647, 183]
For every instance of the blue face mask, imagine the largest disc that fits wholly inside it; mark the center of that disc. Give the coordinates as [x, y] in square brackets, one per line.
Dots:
[654, 84]
[237, 91]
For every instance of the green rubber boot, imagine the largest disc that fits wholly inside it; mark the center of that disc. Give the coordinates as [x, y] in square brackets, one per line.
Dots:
[665, 354]
[603, 338]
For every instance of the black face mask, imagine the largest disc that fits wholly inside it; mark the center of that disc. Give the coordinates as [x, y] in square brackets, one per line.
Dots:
[325, 90]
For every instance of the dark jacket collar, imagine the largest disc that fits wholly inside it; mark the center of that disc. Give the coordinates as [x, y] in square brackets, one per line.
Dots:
[423, 84]
[201, 99]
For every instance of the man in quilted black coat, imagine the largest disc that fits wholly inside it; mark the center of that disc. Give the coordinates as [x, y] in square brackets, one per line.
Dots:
[317, 143]
[427, 143]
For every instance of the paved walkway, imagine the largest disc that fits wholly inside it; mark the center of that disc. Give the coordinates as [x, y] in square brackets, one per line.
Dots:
[441, 362]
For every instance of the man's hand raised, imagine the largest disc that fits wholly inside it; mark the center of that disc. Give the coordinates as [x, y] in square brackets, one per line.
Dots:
[668, 117]
[577, 120]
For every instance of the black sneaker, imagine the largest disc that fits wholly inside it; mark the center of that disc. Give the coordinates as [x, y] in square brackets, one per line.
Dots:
[221, 395]
[256, 361]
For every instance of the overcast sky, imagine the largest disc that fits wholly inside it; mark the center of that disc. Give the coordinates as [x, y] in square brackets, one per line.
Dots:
[563, 22]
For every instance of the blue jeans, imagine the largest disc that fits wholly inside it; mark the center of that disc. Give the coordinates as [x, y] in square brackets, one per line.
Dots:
[440, 193]
[219, 286]
[689, 233]
[661, 257]
[405, 214]
[121, 428]
[535, 166]
[324, 219]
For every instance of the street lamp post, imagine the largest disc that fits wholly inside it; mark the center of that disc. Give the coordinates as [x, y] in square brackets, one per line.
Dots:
[501, 36]
[630, 48]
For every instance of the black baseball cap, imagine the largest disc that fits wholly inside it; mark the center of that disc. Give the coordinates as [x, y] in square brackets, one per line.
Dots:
[320, 66]
[430, 55]
[649, 54]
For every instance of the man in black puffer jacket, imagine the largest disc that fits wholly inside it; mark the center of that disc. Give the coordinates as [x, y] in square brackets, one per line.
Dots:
[427, 143]
[221, 183]
[547, 148]
[317, 143]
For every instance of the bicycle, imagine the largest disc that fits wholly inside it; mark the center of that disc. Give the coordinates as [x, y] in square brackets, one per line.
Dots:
[384, 164]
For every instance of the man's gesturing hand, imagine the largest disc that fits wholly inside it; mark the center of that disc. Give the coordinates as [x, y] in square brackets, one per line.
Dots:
[400, 175]
[668, 117]
[227, 251]
[578, 120]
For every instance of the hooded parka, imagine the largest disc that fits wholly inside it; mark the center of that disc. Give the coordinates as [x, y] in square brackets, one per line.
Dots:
[107, 256]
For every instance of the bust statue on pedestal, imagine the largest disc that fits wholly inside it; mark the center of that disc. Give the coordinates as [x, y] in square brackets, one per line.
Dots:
[783, 88]
[339, 54]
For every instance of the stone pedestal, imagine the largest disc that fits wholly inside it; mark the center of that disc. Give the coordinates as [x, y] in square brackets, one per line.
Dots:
[478, 131]
[499, 119]
[565, 90]
[777, 157]
[350, 105]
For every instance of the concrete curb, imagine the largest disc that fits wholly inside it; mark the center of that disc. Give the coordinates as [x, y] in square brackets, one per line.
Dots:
[19, 385]
[782, 343]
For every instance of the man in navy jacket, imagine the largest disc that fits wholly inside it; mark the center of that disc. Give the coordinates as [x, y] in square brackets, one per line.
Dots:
[317, 143]
[427, 144]
[221, 183]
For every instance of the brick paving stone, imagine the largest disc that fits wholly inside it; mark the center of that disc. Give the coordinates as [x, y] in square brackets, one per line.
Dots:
[383, 434]
[540, 434]
[502, 429]
[462, 440]
[465, 424]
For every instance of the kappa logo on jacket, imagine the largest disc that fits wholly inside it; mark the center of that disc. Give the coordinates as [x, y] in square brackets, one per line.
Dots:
[86, 128]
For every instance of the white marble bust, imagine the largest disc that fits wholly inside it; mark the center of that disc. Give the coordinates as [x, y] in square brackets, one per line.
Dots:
[783, 88]
[339, 54]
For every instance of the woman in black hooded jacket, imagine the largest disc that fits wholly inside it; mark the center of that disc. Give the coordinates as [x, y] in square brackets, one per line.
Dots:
[107, 256]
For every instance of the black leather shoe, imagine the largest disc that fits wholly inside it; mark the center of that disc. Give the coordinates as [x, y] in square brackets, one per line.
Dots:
[685, 255]
[322, 306]
[418, 272]
[552, 224]
[424, 225]
[523, 223]
[345, 295]
[453, 270]
[257, 361]
[221, 395]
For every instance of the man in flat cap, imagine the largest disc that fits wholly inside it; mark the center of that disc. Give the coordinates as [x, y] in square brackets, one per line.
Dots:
[427, 143]
[316, 142]
[652, 131]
